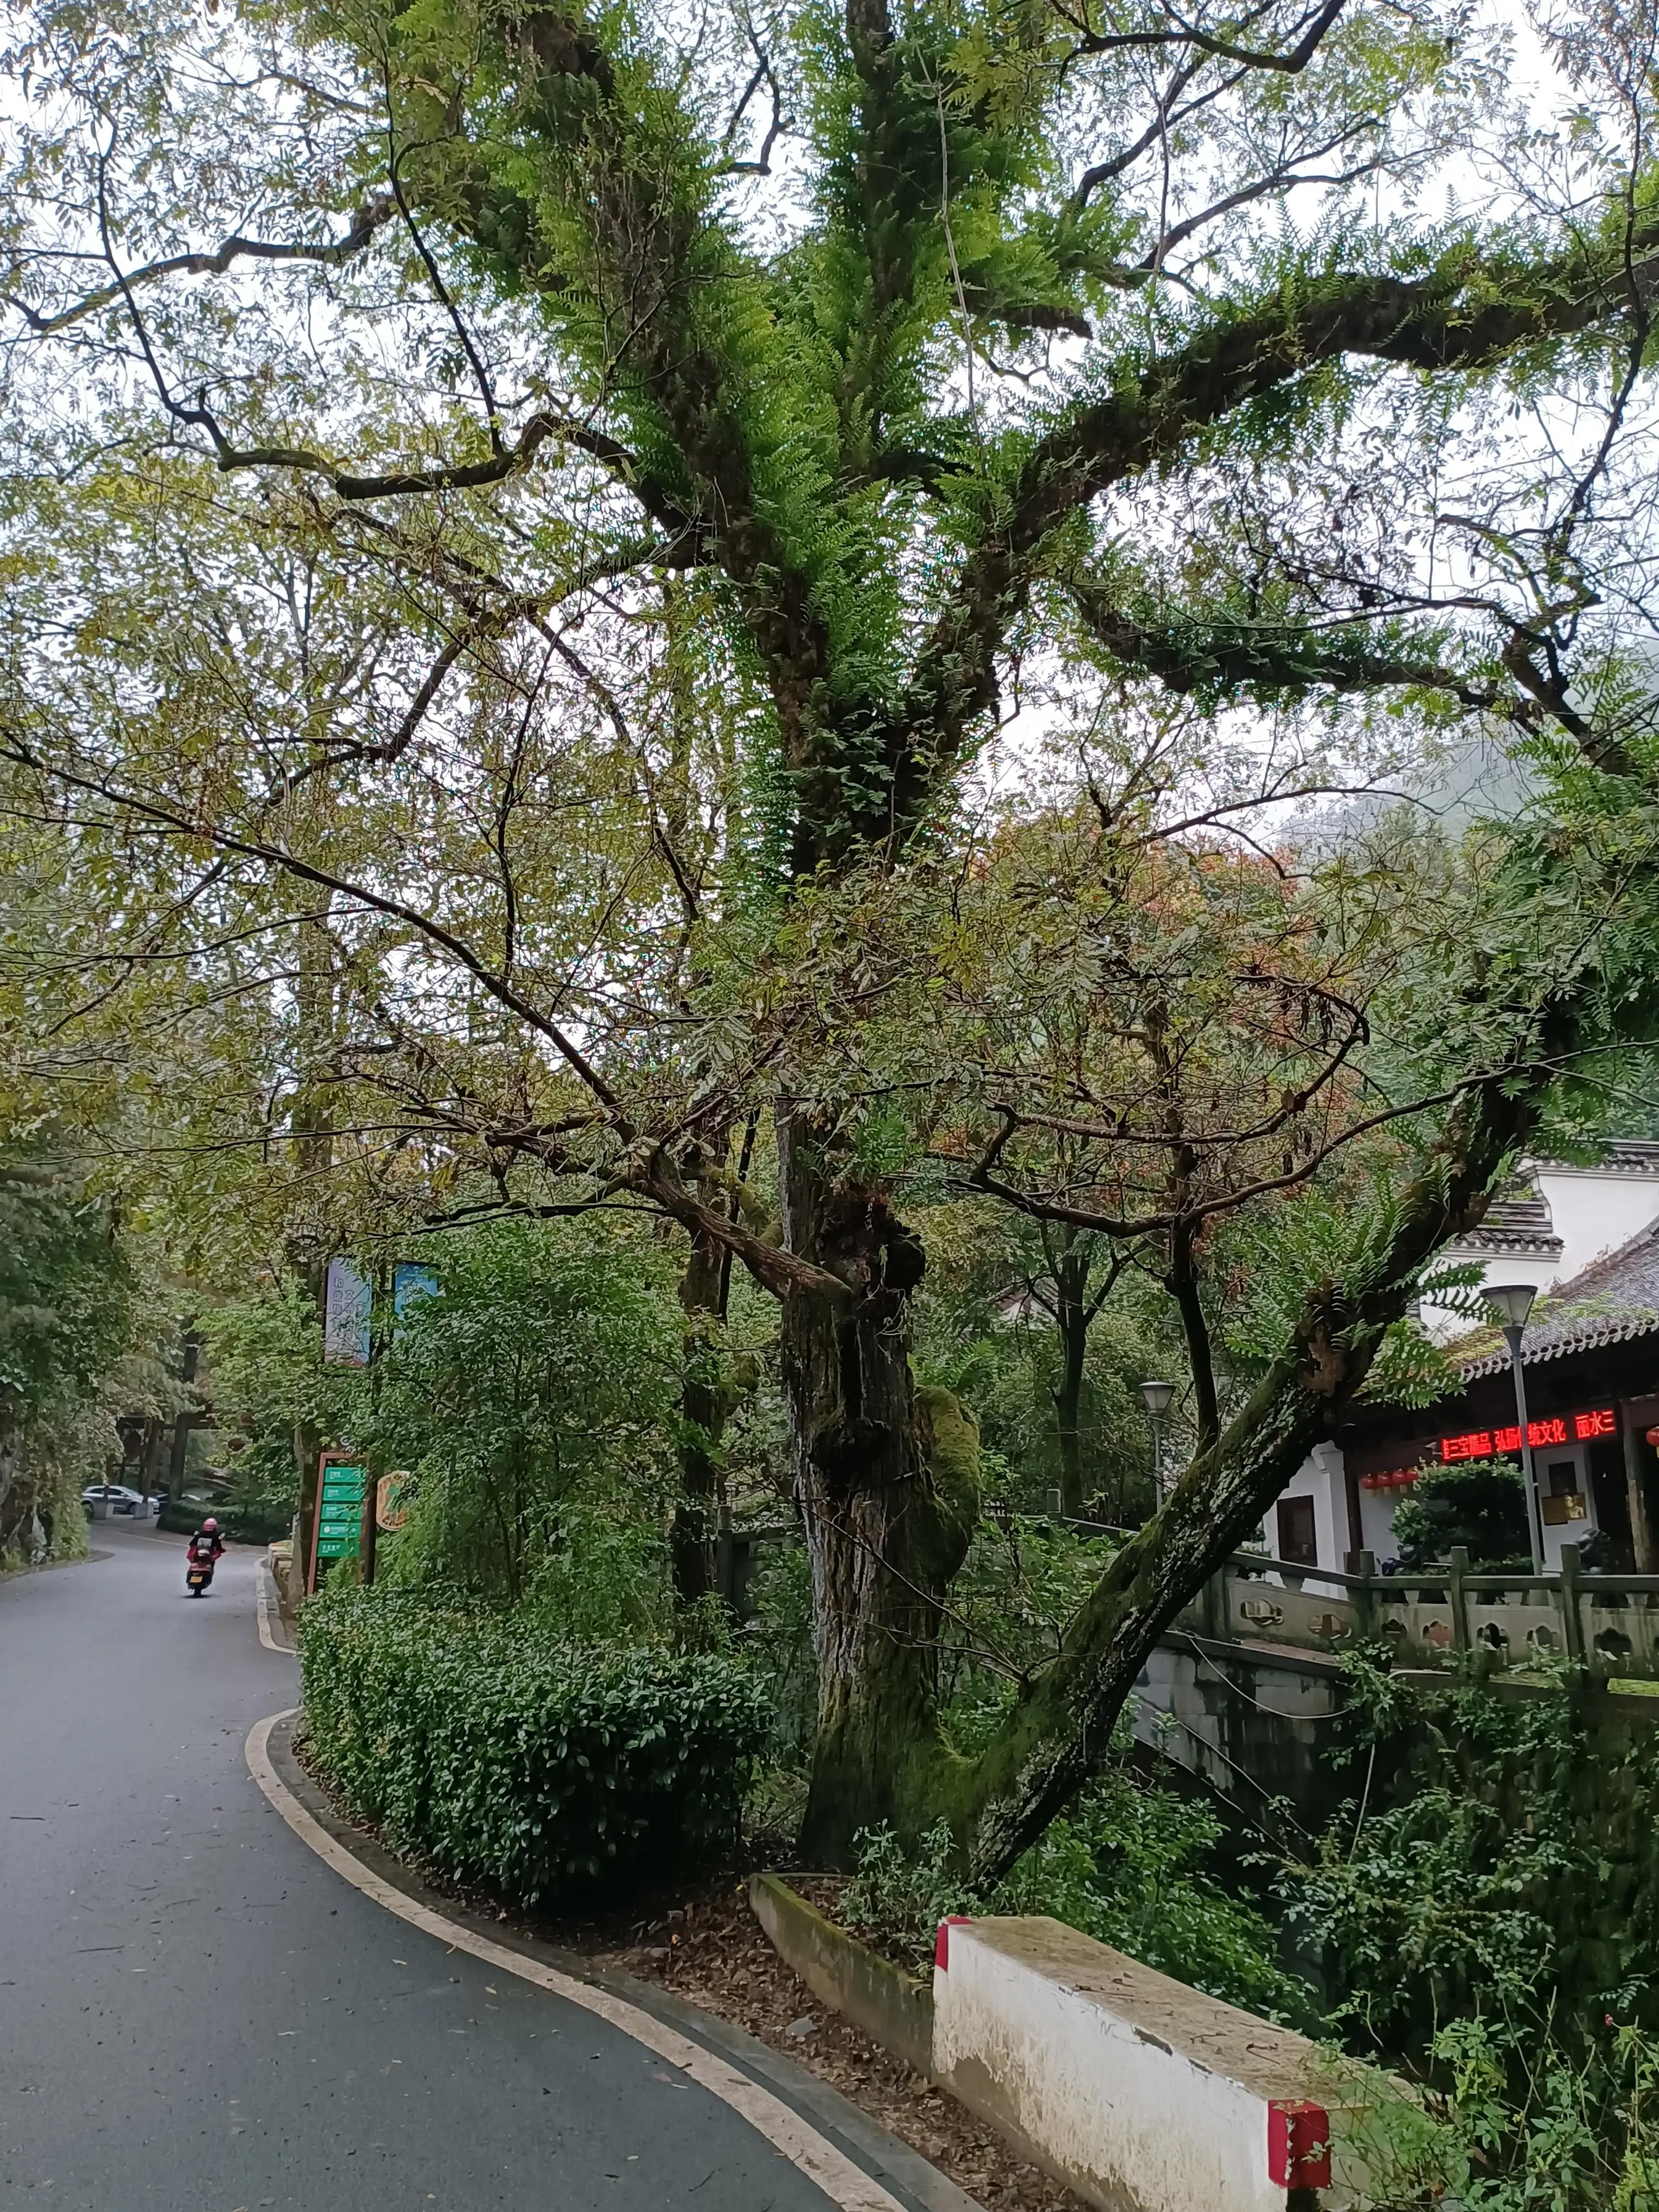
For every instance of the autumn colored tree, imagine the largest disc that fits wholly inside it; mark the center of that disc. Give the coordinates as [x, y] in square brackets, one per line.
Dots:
[935, 359]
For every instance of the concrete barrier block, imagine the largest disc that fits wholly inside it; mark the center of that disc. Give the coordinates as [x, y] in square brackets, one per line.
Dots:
[1140, 2093]
[893, 2007]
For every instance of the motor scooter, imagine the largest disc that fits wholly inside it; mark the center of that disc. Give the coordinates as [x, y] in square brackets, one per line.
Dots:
[198, 1564]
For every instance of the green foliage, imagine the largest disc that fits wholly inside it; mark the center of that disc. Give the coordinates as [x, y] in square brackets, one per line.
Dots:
[264, 1365]
[65, 1290]
[780, 1596]
[603, 1577]
[501, 1753]
[540, 1378]
[897, 1895]
[1322, 1234]
[1481, 1504]
[1505, 1862]
[1127, 1865]
[1022, 1582]
[66, 1446]
[1009, 1372]
[69, 1306]
[1522, 2125]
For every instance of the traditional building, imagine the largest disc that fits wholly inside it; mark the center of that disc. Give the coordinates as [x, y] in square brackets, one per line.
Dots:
[1588, 1240]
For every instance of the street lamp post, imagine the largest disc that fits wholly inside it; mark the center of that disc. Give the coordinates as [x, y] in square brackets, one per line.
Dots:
[1513, 1303]
[1158, 1396]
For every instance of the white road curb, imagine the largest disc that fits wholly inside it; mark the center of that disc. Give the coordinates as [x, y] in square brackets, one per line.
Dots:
[845, 2184]
[262, 1608]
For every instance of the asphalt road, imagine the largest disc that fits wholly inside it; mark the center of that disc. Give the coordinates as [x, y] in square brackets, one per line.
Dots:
[196, 2013]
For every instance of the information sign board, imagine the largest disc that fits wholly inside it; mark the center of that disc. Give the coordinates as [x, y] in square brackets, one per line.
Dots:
[348, 1300]
[342, 1482]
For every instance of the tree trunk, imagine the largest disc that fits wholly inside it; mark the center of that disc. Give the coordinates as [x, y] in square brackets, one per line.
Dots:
[1061, 1724]
[313, 1156]
[702, 1411]
[1071, 1319]
[886, 1482]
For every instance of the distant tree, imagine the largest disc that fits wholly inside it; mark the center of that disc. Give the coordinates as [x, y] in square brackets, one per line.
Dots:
[65, 1311]
[536, 1385]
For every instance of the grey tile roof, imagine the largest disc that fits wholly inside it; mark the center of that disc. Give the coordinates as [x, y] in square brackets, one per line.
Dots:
[1631, 1156]
[1517, 1220]
[1614, 1300]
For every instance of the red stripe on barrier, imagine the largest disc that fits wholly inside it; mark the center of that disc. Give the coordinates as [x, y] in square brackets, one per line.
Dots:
[1298, 2145]
[942, 1941]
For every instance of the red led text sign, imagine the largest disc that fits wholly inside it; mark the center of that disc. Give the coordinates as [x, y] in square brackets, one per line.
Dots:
[1485, 1443]
[1560, 1429]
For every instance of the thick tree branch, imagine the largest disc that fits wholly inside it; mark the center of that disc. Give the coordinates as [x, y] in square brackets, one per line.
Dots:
[1445, 324]
[1291, 63]
[985, 1175]
[1187, 654]
[1061, 1723]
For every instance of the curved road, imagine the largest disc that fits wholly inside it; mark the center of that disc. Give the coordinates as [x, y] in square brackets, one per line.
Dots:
[196, 2012]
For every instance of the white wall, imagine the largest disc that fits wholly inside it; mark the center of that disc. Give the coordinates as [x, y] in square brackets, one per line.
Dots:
[1594, 1212]
[1442, 1325]
[1144, 2095]
[1321, 1478]
[1376, 1520]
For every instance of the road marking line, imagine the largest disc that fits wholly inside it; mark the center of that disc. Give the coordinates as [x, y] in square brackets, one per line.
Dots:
[845, 2184]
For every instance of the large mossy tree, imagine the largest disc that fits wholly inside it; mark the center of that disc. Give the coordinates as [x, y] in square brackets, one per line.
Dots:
[880, 359]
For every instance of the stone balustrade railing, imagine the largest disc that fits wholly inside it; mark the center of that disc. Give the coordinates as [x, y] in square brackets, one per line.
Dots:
[1610, 1621]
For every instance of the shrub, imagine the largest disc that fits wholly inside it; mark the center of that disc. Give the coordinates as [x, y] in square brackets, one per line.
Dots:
[1524, 2125]
[239, 1521]
[1505, 1856]
[897, 1896]
[1130, 1864]
[255, 1523]
[1481, 1504]
[1126, 1866]
[500, 1755]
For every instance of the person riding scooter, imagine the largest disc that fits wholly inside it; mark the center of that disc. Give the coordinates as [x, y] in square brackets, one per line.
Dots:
[205, 1547]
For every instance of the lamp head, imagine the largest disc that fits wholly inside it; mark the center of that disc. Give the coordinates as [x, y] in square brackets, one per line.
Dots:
[1158, 1396]
[1512, 1302]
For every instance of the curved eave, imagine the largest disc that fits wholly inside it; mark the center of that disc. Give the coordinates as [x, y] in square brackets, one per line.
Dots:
[1502, 1240]
[1595, 1336]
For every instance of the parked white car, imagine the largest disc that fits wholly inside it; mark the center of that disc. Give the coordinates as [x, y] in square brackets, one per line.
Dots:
[116, 1497]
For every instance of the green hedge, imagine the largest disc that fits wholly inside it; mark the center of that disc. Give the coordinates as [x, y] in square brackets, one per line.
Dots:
[238, 1524]
[478, 1739]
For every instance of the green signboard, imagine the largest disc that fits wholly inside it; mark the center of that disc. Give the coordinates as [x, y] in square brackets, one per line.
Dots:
[339, 1512]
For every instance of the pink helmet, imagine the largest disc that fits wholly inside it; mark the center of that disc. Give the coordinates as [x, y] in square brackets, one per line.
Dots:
[211, 1526]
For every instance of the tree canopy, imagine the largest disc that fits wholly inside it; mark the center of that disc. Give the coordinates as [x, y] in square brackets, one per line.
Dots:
[618, 606]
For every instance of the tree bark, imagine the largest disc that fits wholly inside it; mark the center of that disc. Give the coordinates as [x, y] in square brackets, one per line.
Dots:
[1072, 1319]
[886, 1482]
[314, 1155]
[1061, 1723]
[702, 1410]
